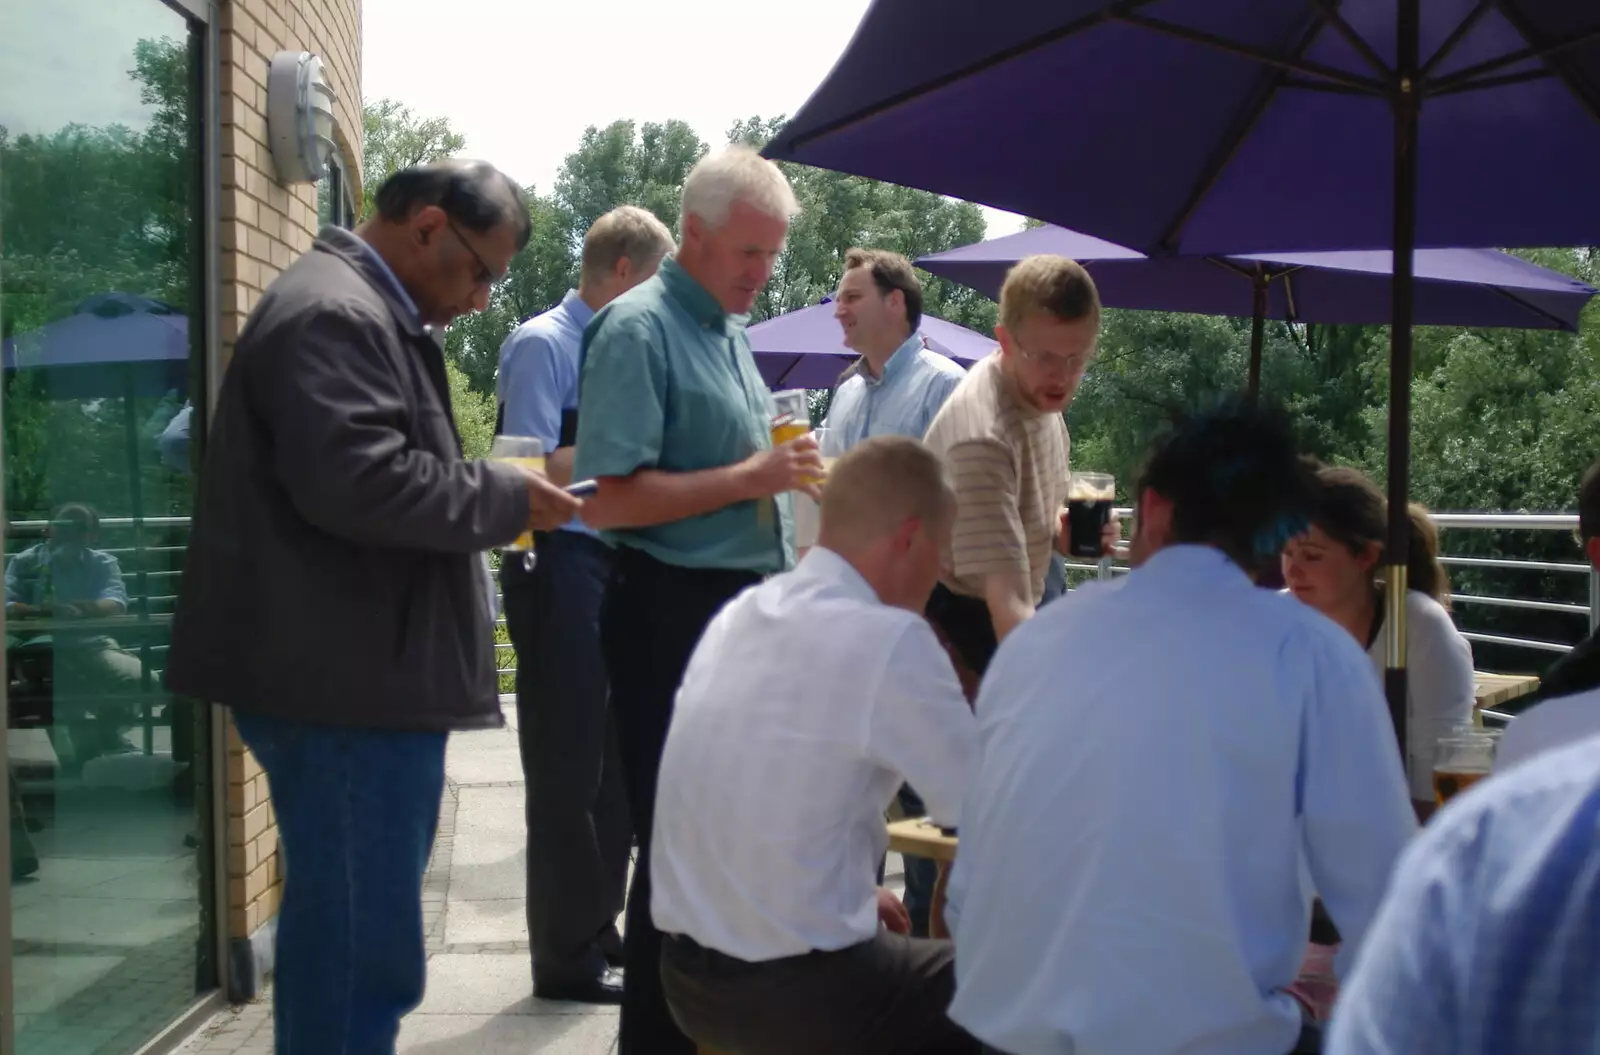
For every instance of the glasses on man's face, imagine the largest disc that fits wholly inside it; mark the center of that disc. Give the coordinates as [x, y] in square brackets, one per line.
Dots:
[1075, 363]
[484, 276]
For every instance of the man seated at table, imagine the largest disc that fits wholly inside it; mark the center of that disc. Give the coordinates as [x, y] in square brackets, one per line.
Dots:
[1164, 762]
[807, 703]
[66, 578]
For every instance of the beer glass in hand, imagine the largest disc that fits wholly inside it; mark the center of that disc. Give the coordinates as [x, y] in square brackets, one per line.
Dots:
[526, 452]
[1089, 497]
[1460, 760]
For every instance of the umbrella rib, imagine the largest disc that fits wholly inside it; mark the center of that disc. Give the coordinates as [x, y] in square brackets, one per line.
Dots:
[1540, 74]
[1220, 161]
[1559, 323]
[1547, 51]
[970, 70]
[1331, 15]
[1544, 52]
[1291, 63]
[1457, 35]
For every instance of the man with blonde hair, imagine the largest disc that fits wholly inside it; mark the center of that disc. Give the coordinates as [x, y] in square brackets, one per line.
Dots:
[1004, 435]
[809, 701]
[579, 834]
[674, 425]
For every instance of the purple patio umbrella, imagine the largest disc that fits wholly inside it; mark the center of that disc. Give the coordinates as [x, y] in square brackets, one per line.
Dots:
[805, 348]
[1207, 127]
[1454, 287]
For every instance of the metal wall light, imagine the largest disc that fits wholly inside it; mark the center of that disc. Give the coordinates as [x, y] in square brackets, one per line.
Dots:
[299, 117]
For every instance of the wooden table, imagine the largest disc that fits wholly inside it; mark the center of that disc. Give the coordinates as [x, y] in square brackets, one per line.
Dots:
[1492, 690]
[920, 837]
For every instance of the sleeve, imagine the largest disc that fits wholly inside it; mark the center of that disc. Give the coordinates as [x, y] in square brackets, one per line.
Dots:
[1441, 689]
[920, 725]
[1400, 999]
[337, 412]
[16, 568]
[939, 390]
[112, 587]
[1355, 810]
[988, 537]
[621, 399]
[533, 388]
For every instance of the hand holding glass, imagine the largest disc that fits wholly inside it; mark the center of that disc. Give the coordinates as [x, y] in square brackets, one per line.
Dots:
[525, 452]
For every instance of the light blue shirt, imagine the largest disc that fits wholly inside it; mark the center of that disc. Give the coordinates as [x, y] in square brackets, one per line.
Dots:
[1171, 767]
[87, 575]
[669, 383]
[1489, 940]
[538, 376]
[389, 276]
[915, 383]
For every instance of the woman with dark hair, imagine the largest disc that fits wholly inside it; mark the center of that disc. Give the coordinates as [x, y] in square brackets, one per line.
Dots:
[1333, 568]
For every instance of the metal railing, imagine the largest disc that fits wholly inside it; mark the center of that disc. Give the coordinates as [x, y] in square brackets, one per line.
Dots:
[1465, 603]
[157, 588]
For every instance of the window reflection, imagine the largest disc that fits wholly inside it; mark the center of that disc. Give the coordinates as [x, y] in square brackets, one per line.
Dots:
[100, 309]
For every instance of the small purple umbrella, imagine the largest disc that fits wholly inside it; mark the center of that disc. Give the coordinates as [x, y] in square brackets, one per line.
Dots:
[1454, 287]
[805, 348]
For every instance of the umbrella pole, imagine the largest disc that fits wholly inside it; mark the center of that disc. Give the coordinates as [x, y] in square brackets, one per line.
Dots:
[1404, 101]
[1258, 326]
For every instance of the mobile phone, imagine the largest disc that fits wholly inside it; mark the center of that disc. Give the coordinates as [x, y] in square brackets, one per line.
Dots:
[582, 488]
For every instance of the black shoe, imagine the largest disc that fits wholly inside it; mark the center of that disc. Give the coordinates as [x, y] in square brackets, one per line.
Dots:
[604, 989]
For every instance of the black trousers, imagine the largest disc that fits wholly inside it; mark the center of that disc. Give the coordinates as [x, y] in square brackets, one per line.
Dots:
[966, 624]
[652, 618]
[886, 996]
[579, 834]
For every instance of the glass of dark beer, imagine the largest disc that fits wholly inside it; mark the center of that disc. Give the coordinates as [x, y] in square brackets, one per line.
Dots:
[1460, 760]
[1089, 497]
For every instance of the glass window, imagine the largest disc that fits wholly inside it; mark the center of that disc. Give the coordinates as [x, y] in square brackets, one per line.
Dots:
[334, 204]
[101, 325]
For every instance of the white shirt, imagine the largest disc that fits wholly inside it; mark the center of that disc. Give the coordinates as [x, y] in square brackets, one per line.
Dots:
[1170, 766]
[807, 703]
[1548, 726]
[1440, 691]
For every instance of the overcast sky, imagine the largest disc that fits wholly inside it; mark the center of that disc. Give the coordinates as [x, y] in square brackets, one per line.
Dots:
[521, 79]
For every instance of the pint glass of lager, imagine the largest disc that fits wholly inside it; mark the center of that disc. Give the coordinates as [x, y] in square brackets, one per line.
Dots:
[1460, 760]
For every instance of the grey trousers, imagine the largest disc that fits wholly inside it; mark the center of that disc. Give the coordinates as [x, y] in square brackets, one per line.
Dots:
[579, 833]
[887, 996]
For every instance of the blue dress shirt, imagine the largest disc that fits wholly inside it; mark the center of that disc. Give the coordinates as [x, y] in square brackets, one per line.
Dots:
[538, 377]
[1170, 767]
[915, 383]
[1488, 942]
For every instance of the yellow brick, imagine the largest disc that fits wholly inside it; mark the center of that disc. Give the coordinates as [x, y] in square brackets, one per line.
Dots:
[281, 256]
[241, 859]
[254, 822]
[238, 921]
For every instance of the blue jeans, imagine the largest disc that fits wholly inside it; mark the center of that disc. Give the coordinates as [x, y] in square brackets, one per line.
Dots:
[921, 872]
[357, 810]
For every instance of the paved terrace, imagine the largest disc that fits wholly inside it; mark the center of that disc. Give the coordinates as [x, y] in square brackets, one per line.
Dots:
[480, 991]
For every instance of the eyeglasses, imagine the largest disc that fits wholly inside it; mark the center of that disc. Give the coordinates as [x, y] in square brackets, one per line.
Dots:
[1060, 364]
[485, 275]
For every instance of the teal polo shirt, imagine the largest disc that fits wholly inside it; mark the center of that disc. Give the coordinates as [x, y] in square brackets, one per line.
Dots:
[668, 383]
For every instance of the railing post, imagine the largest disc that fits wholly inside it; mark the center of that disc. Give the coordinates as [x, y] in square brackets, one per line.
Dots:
[1594, 599]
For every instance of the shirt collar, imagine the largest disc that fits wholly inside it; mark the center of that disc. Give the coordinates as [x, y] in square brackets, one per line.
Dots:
[827, 565]
[1196, 563]
[901, 359]
[389, 275]
[695, 298]
[581, 312]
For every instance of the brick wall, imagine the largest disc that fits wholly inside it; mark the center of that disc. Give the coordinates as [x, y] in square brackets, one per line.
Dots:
[265, 225]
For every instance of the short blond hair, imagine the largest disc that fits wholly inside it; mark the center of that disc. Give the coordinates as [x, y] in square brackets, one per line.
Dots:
[880, 484]
[736, 174]
[625, 232]
[1050, 284]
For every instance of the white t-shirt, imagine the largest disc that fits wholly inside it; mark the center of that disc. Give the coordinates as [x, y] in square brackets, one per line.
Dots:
[1548, 726]
[1440, 691]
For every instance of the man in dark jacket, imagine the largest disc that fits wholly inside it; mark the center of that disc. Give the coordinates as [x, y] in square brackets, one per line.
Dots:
[335, 595]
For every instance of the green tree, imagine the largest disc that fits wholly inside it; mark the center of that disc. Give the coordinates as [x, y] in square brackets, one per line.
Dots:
[624, 164]
[394, 138]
